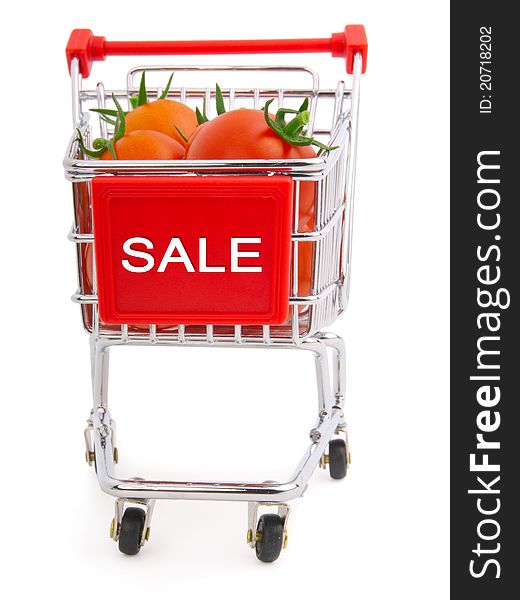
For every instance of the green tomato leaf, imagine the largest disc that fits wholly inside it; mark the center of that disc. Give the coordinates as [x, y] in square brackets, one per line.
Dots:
[219, 100]
[304, 106]
[142, 98]
[201, 118]
[120, 124]
[280, 116]
[272, 124]
[181, 134]
[109, 112]
[166, 89]
[108, 120]
[111, 149]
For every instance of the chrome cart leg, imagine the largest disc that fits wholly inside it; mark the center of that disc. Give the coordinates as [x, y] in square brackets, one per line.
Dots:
[130, 526]
[337, 458]
[268, 534]
[99, 355]
[333, 341]
[323, 378]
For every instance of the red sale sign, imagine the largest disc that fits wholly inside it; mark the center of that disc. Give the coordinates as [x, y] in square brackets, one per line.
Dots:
[193, 250]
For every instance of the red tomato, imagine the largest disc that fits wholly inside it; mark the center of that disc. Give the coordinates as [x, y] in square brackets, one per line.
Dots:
[146, 145]
[244, 134]
[163, 116]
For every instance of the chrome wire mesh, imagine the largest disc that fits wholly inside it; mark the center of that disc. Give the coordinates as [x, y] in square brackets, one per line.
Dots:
[330, 121]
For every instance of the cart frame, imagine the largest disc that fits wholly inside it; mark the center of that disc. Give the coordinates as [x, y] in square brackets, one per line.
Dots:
[331, 295]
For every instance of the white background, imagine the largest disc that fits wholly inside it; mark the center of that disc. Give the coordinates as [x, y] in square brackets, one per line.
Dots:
[382, 532]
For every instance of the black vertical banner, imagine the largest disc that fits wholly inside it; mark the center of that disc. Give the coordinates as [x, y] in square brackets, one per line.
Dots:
[485, 342]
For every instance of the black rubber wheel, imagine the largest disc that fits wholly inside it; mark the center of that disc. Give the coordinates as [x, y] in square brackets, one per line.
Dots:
[131, 530]
[270, 539]
[337, 459]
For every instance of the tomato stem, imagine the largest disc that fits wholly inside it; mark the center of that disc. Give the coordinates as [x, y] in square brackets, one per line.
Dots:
[101, 144]
[293, 132]
[297, 124]
[97, 152]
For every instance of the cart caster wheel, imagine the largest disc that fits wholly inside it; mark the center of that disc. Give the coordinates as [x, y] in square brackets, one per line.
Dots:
[131, 531]
[338, 459]
[269, 537]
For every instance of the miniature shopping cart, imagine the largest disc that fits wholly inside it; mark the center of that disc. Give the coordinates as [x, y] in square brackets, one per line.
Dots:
[246, 213]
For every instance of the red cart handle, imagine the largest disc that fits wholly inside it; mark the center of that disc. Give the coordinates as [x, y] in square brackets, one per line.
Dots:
[87, 47]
